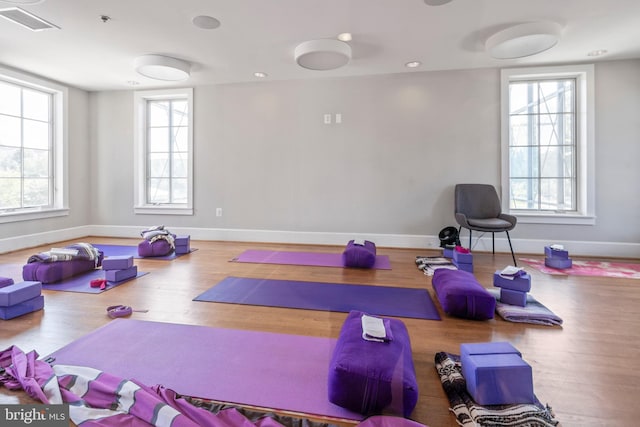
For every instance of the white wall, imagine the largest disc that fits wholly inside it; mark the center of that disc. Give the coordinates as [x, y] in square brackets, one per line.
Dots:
[264, 155]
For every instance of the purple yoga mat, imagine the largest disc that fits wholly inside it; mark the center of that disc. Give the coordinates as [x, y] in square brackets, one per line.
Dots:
[123, 250]
[245, 367]
[80, 283]
[316, 259]
[379, 300]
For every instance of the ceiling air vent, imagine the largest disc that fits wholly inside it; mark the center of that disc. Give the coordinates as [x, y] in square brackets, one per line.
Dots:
[26, 19]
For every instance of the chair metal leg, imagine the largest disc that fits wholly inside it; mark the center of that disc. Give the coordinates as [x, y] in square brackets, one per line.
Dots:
[511, 247]
[493, 242]
[469, 239]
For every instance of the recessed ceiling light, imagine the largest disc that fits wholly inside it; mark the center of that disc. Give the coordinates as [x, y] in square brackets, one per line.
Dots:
[260, 74]
[598, 52]
[322, 54]
[205, 22]
[413, 64]
[523, 40]
[162, 67]
[345, 37]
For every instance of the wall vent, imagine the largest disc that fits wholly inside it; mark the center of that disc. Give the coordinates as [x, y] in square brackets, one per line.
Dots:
[26, 19]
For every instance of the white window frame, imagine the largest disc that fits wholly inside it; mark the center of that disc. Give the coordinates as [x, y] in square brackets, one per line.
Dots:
[585, 140]
[140, 154]
[59, 150]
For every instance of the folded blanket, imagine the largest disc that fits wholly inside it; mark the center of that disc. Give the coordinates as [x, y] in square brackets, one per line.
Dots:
[534, 312]
[158, 232]
[469, 414]
[84, 251]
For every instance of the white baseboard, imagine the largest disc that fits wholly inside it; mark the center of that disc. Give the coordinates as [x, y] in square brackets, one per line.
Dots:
[481, 243]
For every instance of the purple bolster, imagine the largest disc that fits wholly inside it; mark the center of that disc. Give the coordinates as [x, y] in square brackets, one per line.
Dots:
[357, 255]
[461, 295]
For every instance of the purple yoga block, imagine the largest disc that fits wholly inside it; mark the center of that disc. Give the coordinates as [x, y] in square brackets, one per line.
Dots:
[520, 283]
[447, 253]
[24, 307]
[182, 249]
[373, 377]
[462, 258]
[19, 292]
[507, 296]
[468, 267]
[559, 263]
[119, 262]
[498, 379]
[549, 252]
[120, 275]
[5, 281]
[182, 241]
[497, 347]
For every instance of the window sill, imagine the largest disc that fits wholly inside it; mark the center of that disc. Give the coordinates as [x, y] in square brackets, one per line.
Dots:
[548, 218]
[162, 210]
[35, 214]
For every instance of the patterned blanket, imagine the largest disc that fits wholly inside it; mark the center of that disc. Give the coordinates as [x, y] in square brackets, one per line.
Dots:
[470, 414]
[158, 232]
[75, 251]
[534, 312]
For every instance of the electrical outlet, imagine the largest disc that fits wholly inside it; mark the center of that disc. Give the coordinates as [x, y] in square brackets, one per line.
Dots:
[218, 211]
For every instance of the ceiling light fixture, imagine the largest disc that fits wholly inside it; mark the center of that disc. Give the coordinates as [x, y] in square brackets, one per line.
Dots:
[523, 40]
[29, 2]
[345, 37]
[205, 22]
[436, 2]
[322, 54]
[260, 74]
[413, 64]
[162, 67]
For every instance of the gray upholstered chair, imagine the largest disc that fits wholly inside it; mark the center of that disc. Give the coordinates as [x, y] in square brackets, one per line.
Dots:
[477, 207]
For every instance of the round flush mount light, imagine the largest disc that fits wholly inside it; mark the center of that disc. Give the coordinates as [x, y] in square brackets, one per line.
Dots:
[523, 40]
[161, 67]
[436, 2]
[22, 2]
[205, 22]
[323, 54]
[413, 64]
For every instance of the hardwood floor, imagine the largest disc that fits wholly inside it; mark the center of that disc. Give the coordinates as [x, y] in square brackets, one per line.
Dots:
[588, 370]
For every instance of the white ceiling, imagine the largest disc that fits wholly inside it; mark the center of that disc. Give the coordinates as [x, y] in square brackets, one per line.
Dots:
[261, 35]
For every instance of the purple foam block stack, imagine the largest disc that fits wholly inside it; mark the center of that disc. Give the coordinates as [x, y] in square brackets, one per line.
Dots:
[120, 262]
[20, 298]
[556, 258]
[513, 289]
[120, 275]
[496, 374]
[463, 260]
[183, 245]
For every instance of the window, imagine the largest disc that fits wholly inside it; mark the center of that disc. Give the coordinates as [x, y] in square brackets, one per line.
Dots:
[32, 148]
[547, 144]
[164, 149]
